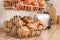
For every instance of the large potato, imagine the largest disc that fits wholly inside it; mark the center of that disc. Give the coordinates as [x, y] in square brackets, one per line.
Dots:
[23, 31]
[27, 19]
[17, 21]
[31, 26]
[41, 27]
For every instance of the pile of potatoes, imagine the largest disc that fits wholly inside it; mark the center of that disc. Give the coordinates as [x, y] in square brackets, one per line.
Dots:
[23, 26]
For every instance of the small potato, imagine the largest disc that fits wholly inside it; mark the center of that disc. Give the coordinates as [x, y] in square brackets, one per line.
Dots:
[39, 22]
[41, 27]
[31, 26]
[27, 19]
[32, 33]
[10, 25]
[17, 21]
[23, 31]
[14, 31]
[7, 30]
[37, 33]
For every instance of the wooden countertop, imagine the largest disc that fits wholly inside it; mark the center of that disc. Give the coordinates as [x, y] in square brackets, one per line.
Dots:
[52, 34]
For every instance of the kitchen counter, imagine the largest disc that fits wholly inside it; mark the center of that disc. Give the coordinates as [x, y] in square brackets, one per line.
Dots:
[51, 34]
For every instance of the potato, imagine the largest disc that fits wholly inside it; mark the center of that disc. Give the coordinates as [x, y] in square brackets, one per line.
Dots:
[10, 25]
[32, 33]
[14, 31]
[31, 26]
[17, 21]
[37, 33]
[27, 19]
[41, 27]
[23, 31]
[7, 30]
[39, 22]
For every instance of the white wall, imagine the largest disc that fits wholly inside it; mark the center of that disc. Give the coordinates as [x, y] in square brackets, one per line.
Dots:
[56, 3]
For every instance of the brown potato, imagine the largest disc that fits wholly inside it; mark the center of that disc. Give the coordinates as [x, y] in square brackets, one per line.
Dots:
[31, 26]
[23, 31]
[14, 31]
[41, 27]
[37, 33]
[10, 25]
[39, 22]
[17, 21]
[27, 19]
[7, 30]
[32, 33]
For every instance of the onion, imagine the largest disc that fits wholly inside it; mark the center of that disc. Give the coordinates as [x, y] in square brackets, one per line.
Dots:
[42, 3]
[28, 1]
[35, 3]
[20, 6]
